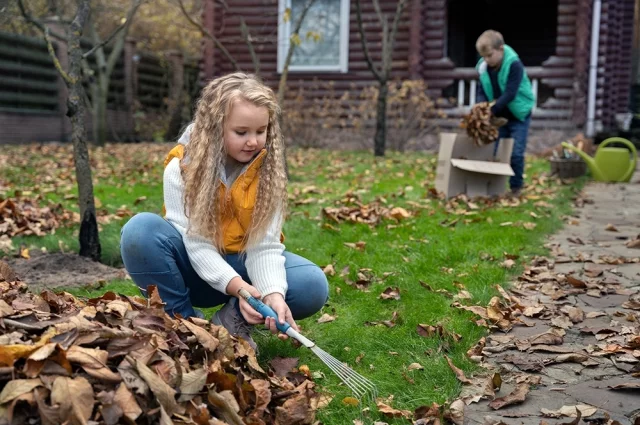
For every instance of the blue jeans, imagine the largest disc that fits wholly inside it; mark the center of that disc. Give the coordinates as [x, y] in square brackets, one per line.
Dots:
[154, 254]
[518, 130]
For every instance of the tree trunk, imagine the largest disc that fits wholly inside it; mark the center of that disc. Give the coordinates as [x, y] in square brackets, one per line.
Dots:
[89, 238]
[381, 119]
[100, 113]
[95, 118]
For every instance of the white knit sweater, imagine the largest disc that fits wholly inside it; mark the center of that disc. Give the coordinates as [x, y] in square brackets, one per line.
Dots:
[264, 262]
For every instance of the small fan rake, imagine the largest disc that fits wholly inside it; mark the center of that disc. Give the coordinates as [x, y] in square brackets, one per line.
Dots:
[363, 389]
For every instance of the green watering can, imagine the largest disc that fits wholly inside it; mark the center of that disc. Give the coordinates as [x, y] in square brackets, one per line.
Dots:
[610, 164]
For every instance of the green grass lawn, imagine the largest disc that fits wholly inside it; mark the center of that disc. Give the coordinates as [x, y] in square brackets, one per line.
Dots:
[443, 246]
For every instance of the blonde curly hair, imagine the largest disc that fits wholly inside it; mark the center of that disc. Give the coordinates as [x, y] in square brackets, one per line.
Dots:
[205, 157]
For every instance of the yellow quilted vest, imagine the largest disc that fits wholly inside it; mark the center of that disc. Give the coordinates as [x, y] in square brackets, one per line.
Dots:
[236, 217]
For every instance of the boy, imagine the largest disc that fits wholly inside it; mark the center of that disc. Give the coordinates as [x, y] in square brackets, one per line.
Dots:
[504, 79]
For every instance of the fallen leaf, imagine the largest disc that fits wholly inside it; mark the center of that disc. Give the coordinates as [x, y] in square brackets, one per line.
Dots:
[570, 411]
[17, 387]
[350, 401]
[390, 294]
[163, 392]
[207, 340]
[518, 395]
[127, 402]
[75, 398]
[576, 283]
[414, 366]
[562, 322]
[192, 383]
[458, 372]
[635, 243]
[393, 413]
[611, 228]
[329, 270]
[326, 318]
[625, 386]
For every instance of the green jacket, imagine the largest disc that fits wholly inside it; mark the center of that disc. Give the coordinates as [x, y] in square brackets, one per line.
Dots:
[523, 103]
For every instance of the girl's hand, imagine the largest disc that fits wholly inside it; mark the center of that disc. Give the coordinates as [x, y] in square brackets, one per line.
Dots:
[277, 303]
[251, 316]
[248, 312]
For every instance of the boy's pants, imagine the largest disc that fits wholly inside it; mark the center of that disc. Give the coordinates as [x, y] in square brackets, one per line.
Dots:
[518, 130]
[154, 254]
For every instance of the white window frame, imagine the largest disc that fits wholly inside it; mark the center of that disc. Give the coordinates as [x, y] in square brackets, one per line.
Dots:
[284, 38]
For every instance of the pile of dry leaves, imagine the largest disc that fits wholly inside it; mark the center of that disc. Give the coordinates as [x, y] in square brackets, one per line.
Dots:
[352, 209]
[118, 359]
[23, 216]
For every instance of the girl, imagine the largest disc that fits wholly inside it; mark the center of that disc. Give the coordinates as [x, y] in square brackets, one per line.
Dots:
[225, 195]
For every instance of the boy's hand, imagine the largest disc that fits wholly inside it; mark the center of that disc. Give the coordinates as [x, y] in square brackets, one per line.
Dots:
[277, 303]
[498, 121]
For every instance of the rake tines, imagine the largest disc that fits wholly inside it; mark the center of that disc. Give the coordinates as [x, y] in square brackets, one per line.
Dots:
[358, 384]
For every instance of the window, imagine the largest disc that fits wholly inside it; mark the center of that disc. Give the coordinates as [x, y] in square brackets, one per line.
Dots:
[328, 20]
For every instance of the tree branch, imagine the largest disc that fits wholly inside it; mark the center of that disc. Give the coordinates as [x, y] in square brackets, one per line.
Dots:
[394, 29]
[386, 55]
[382, 18]
[117, 48]
[105, 42]
[30, 19]
[206, 33]
[67, 79]
[285, 69]
[365, 48]
[247, 38]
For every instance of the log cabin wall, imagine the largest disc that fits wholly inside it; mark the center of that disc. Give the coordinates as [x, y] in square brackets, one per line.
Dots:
[261, 18]
[421, 52]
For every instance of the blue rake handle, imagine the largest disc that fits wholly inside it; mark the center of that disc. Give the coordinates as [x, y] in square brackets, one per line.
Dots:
[263, 309]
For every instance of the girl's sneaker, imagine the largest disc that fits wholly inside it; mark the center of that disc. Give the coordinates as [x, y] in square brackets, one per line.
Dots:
[230, 317]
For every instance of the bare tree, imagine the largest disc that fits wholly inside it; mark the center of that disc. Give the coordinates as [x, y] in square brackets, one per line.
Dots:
[104, 67]
[282, 86]
[76, 111]
[383, 72]
[295, 35]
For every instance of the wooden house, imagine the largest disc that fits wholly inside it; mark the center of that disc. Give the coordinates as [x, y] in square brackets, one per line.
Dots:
[578, 53]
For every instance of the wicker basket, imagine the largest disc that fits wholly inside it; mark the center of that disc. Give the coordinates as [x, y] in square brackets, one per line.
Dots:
[568, 168]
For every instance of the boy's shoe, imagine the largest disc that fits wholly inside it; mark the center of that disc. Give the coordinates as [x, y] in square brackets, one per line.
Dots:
[230, 317]
[515, 193]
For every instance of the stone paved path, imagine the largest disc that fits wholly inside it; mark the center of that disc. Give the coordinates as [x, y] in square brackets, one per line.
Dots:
[571, 383]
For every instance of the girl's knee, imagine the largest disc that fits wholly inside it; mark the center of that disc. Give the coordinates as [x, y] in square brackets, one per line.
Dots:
[316, 289]
[139, 232]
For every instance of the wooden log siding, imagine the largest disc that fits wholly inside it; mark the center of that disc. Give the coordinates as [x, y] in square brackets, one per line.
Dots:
[261, 18]
[153, 81]
[615, 59]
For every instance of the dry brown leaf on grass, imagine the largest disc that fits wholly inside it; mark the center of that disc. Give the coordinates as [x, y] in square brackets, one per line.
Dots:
[458, 372]
[326, 318]
[329, 270]
[390, 412]
[429, 331]
[360, 245]
[390, 294]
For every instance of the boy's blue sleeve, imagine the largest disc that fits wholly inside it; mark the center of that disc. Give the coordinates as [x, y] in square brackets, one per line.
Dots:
[513, 83]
